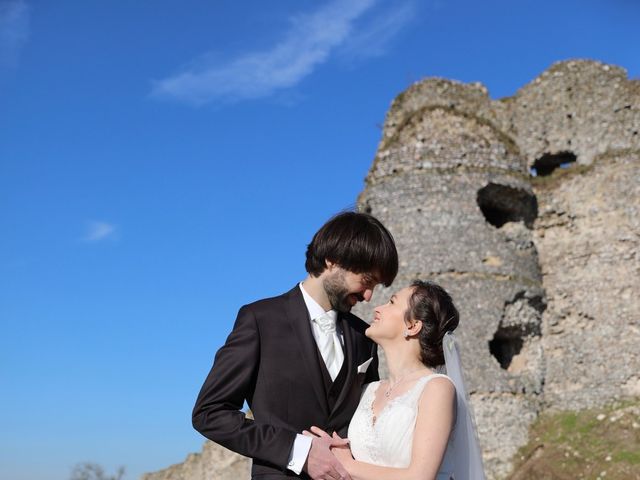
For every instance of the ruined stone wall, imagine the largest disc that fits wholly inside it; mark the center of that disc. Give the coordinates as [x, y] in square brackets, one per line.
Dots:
[588, 239]
[586, 108]
[544, 270]
[213, 463]
[425, 185]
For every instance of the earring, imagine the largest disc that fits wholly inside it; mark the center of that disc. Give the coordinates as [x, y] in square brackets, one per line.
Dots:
[406, 333]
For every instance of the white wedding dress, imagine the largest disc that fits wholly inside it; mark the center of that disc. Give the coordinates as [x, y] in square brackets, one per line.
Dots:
[388, 439]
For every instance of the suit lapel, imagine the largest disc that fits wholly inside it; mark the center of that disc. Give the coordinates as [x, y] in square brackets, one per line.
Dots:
[298, 316]
[349, 358]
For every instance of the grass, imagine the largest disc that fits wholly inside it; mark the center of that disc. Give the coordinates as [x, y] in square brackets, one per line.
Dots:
[590, 444]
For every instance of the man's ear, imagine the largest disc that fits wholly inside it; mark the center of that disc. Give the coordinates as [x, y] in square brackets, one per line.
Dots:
[329, 265]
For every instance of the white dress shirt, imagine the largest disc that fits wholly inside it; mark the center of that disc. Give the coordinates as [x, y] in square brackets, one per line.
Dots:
[302, 444]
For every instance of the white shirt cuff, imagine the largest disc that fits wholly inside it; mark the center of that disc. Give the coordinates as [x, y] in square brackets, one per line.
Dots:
[299, 453]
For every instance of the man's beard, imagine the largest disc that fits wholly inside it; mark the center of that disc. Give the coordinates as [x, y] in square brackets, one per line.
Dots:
[337, 292]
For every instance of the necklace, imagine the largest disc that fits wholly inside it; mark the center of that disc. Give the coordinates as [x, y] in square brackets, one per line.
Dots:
[388, 391]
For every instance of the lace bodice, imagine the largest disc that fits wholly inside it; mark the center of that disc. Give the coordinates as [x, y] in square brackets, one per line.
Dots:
[388, 439]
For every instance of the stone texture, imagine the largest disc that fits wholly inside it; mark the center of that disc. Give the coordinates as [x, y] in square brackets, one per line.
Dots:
[213, 463]
[544, 270]
[433, 183]
[588, 236]
[588, 108]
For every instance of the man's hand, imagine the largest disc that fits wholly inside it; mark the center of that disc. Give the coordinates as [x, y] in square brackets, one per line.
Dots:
[321, 464]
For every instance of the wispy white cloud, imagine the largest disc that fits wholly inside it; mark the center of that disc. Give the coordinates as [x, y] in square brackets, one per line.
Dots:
[309, 42]
[374, 38]
[14, 30]
[97, 231]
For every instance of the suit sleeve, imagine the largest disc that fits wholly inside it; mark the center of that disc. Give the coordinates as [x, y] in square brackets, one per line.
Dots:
[217, 413]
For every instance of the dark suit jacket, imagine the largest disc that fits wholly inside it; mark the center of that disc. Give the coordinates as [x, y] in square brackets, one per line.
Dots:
[270, 359]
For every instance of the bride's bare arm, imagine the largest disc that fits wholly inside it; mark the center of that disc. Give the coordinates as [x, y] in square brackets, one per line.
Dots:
[433, 426]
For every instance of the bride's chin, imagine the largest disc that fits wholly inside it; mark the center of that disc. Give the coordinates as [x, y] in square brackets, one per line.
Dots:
[370, 333]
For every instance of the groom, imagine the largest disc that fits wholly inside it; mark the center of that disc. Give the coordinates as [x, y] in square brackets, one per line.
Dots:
[300, 359]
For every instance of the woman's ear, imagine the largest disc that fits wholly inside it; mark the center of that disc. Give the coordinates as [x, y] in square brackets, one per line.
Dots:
[415, 328]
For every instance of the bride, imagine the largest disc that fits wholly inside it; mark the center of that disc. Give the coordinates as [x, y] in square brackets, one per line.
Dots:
[415, 425]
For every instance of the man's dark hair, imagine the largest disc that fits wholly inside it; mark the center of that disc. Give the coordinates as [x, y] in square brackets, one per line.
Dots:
[357, 242]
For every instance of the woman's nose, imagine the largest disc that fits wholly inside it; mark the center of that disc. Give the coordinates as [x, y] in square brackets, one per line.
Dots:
[367, 294]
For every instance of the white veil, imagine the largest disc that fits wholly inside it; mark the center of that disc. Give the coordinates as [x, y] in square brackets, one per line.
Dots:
[464, 442]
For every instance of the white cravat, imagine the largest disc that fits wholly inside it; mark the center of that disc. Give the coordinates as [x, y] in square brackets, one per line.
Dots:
[329, 342]
[330, 346]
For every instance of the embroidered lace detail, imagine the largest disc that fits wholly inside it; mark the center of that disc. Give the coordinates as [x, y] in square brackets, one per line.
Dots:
[397, 399]
[386, 439]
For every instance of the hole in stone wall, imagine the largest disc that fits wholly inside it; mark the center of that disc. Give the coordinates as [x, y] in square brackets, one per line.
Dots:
[548, 162]
[521, 321]
[505, 345]
[501, 204]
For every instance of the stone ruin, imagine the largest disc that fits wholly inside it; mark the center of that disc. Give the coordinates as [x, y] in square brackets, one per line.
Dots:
[527, 210]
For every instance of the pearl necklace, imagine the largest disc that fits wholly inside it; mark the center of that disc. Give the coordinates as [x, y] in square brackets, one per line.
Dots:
[388, 391]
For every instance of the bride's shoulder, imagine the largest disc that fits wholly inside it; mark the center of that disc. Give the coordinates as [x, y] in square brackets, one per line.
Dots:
[438, 386]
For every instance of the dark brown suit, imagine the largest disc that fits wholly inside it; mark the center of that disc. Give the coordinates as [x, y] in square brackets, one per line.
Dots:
[271, 360]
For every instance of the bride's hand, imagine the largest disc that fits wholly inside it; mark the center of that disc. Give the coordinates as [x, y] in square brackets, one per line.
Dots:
[324, 463]
[339, 446]
[336, 440]
[343, 452]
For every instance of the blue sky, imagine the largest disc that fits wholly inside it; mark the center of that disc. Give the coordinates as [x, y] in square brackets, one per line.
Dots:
[163, 163]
